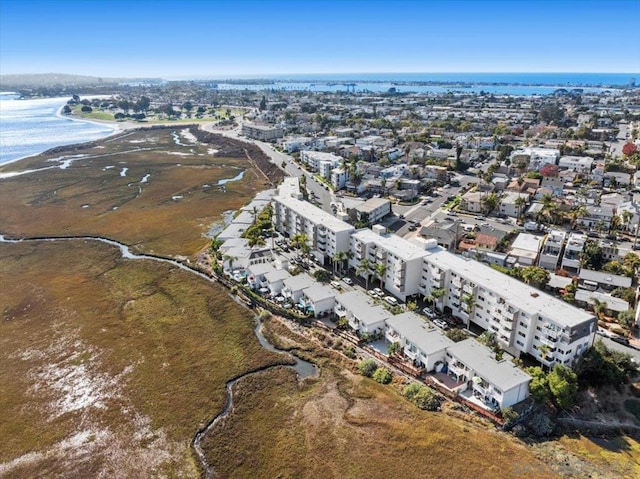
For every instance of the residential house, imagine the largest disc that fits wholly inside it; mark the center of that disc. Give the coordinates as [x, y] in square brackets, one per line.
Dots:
[496, 383]
[373, 210]
[593, 280]
[579, 164]
[511, 204]
[363, 316]
[526, 249]
[423, 344]
[572, 252]
[552, 250]
[319, 299]
[293, 287]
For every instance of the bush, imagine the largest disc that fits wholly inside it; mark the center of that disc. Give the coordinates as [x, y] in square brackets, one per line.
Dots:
[264, 315]
[382, 376]
[411, 390]
[509, 415]
[86, 109]
[350, 352]
[394, 348]
[367, 367]
[541, 425]
[456, 335]
[519, 431]
[427, 399]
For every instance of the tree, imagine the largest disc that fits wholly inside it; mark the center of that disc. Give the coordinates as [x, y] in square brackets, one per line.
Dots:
[299, 241]
[382, 376]
[591, 256]
[438, 293]
[535, 276]
[143, 103]
[599, 307]
[380, 271]
[367, 367]
[629, 149]
[539, 386]
[263, 103]
[601, 366]
[66, 110]
[563, 384]
[86, 109]
[490, 202]
[456, 335]
[322, 276]
[520, 203]
[394, 348]
[364, 267]
[626, 318]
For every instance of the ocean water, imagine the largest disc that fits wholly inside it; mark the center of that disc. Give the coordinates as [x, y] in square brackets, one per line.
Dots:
[525, 84]
[29, 127]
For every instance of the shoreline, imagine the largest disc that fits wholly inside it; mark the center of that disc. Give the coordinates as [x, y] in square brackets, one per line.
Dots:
[115, 130]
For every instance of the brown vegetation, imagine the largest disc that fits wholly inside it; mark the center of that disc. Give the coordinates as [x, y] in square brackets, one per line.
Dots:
[109, 365]
[166, 214]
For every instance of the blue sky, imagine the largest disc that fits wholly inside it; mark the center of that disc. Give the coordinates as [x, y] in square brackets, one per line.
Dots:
[179, 39]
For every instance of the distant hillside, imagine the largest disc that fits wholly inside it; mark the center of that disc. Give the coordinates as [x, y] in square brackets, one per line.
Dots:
[49, 80]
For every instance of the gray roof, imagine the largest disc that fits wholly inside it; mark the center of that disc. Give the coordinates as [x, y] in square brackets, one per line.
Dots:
[361, 306]
[413, 328]
[299, 282]
[277, 275]
[502, 374]
[318, 292]
[605, 278]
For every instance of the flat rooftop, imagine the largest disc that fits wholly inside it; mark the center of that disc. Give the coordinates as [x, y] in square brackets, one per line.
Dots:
[314, 214]
[416, 330]
[502, 374]
[361, 306]
[399, 247]
[518, 294]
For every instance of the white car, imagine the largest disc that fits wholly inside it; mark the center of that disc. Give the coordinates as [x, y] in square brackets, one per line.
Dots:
[429, 313]
[336, 284]
[391, 300]
[347, 281]
[441, 323]
[378, 291]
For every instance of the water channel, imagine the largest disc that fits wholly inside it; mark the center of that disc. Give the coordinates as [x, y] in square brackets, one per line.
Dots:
[304, 369]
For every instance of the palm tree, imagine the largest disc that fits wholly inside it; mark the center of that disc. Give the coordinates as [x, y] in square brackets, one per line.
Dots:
[599, 307]
[490, 202]
[469, 303]
[364, 267]
[579, 213]
[627, 216]
[438, 293]
[299, 241]
[520, 202]
[380, 270]
[615, 224]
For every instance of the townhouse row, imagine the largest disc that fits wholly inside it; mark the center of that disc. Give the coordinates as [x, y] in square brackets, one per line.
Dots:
[524, 319]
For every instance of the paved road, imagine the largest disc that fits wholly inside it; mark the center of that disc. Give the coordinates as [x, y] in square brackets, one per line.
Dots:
[615, 147]
[321, 196]
[620, 347]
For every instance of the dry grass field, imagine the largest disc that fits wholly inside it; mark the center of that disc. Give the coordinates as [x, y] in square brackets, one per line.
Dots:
[110, 366]
[154, 189]
[346, 426]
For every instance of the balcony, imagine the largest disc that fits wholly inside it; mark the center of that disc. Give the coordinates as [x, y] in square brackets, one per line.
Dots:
[458, 370]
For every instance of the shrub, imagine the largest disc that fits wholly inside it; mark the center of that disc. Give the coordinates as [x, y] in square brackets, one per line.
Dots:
[541, 425]
[427, 399]
[411, 390]
[456, 335]
[264, 315]
[519, 431]
[394, 348]
[509, 415]
[367, 367]
[350, 352]
[382, 375]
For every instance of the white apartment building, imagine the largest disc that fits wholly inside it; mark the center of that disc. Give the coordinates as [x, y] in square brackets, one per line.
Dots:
[580, 164]
[262, 132]
[326, 235]
[510, 204]
[551, 250]
[399, 260]
[524, 319]
[321, 162]
[373, 210]
[536, 157]
[423, 344]
[572, 250]
[363, 316]
[495, 383]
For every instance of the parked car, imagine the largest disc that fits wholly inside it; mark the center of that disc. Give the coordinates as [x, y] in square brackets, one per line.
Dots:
[452, 213]
[391, 300]
[347, 281]
[378, 291]
[336, 284]
[441, 323]
[478, 217]
[429, 313]
[620, 340]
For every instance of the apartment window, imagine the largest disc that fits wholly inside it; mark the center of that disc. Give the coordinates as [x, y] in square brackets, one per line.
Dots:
[520, 333]
[523, 324]
[537, 337]
[538, 328]
[481, 298]
[520, 343]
